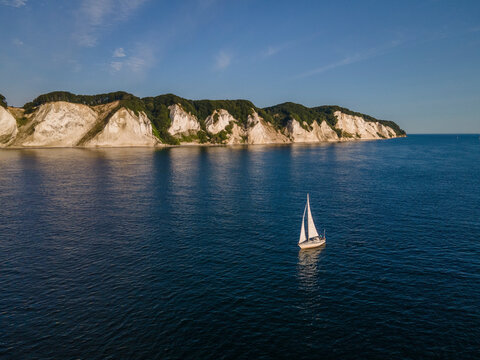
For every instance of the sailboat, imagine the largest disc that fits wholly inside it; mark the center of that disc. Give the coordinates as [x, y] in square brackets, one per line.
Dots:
[313, 240]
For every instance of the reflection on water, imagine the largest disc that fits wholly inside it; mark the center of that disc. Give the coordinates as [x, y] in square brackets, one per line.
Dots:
[308, 266]
[192, 252]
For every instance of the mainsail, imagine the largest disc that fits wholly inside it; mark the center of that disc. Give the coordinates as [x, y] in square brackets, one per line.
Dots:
[312, 231]
[302, 231]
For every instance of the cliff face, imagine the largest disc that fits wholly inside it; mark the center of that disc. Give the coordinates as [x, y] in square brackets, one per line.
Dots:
[315, 133]
[238, 135]
[8, 127]
[120, 119]
[63, 124]
[58, 124]
[183, 123]
[125, 128]
[218, 121]
[260, 132]
[359, 128]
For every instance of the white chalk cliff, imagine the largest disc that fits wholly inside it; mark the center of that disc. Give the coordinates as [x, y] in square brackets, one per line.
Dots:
[218, 121]
[237, 136]
[261, 132]
[68, 124]
[60, 124]
[8, 127]
[125, 128]
[257, 131]
[64, 124]
[316, 133]
[182, 122]
[359, 128]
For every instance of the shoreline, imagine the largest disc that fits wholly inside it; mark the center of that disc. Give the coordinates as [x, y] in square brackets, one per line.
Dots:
[165, 146]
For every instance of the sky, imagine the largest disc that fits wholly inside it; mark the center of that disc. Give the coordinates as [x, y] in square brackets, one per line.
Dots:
[414, 62]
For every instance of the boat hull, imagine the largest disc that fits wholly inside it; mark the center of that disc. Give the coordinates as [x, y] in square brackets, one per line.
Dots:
[313, 243]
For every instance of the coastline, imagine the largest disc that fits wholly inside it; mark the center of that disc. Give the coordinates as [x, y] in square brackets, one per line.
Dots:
[165, 146]
[61, 119]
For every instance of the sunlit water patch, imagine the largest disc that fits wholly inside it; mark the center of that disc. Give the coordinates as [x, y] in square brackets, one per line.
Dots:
[191, 252]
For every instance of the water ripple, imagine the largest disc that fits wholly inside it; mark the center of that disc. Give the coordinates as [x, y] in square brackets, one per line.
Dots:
[191, 252]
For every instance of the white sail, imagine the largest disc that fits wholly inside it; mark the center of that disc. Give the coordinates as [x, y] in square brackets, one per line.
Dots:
[312, 231]
[302, 231]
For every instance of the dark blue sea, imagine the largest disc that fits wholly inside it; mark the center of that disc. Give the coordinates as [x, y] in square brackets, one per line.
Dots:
[191, 252]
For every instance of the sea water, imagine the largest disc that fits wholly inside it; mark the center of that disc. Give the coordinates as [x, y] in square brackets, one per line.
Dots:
[192, 252]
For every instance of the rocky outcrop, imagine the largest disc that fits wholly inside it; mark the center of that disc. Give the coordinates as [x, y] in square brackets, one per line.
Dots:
[62, 119]
[182, 122]
[64, 124]
[8, 127]
[60, 124]
[238, 135]
[261, 132]
[313, 133]
[325, 132]
[357, 127]
[258, 131]
[352, 127]
[125, 128]
[218, 121]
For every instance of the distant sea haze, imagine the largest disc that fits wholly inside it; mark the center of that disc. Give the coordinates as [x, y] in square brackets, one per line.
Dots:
[62, 119]
[191, 252]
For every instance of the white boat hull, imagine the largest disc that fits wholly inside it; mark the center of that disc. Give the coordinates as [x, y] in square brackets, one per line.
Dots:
[313, 243]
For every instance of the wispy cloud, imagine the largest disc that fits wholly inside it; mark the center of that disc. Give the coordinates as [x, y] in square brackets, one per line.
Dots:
[93, 16]
[119, 53]
[271, 50]
[116, 65]
[345, 61]
[275, 49]
[351, 59]
[142, 60]
[14, 3]
[137, 64]
[17, 42]
[223, 60]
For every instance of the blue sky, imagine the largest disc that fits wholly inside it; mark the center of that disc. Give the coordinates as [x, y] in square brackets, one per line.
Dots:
[413, 62]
